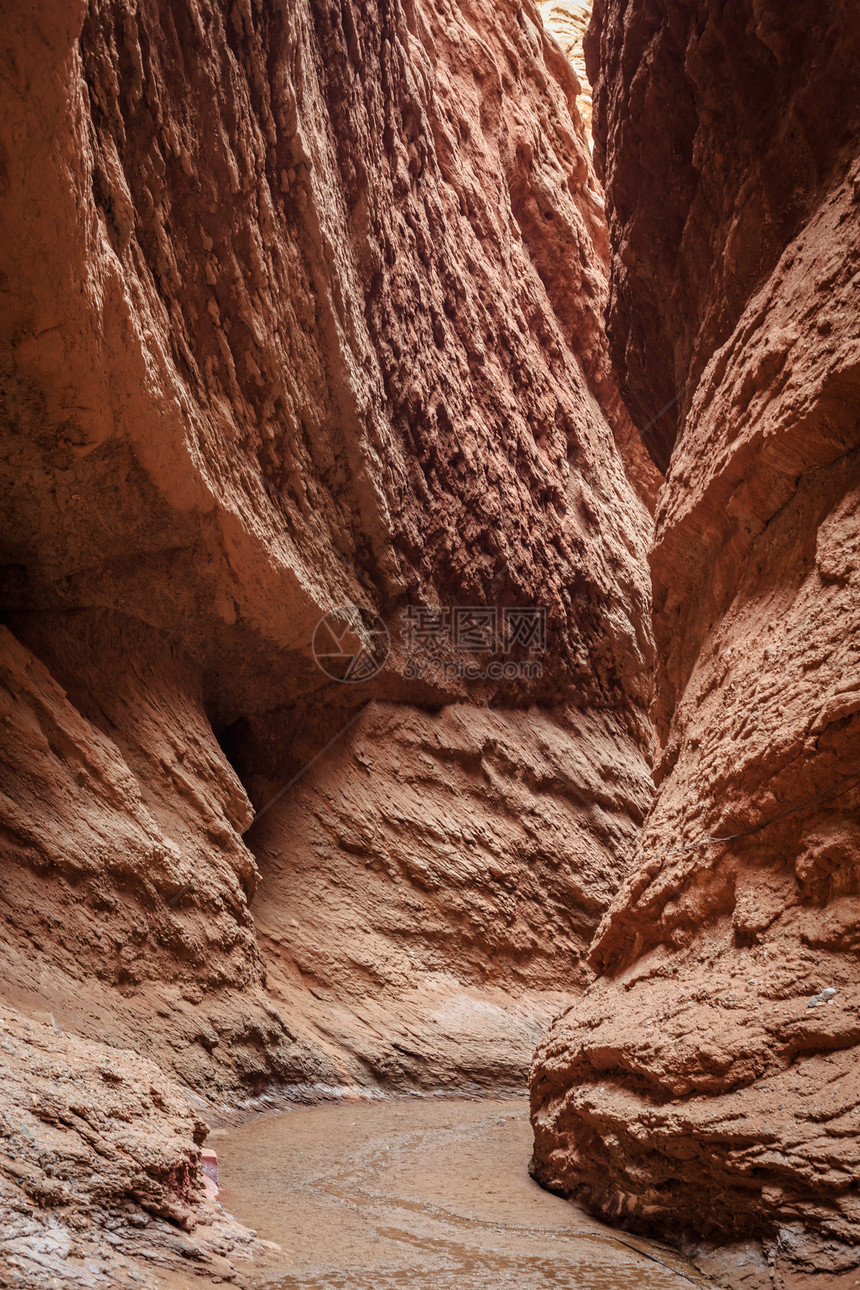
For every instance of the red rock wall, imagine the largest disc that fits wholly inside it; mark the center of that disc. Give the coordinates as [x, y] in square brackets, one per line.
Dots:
[429, 889]
[91, 1133]
[303, 307]
[704, 1086]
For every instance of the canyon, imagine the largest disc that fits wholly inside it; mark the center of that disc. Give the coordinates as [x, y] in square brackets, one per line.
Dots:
[320, 322]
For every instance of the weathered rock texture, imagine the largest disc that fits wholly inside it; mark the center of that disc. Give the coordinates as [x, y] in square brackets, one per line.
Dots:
[433, 883]
[100, 1169]
[302, 308]
[704, 1086]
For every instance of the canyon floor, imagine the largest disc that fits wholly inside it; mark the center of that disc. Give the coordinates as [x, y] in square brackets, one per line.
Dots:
[421, 1193]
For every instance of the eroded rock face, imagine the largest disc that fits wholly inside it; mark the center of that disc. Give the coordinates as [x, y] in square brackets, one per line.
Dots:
[706, 1085]
[303, 308]
[100, 1168]
[429, 889]
[717, 133]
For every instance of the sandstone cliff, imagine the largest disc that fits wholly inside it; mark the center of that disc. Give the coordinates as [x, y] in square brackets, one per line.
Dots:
[303, 308]
[707, 1085]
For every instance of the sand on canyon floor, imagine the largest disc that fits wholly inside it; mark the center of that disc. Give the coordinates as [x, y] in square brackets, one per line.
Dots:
[421, 1193]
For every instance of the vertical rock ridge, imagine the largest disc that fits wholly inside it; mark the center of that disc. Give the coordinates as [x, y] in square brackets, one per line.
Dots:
[706, 1086]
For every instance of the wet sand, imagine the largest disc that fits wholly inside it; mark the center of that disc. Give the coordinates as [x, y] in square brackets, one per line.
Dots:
[425, 1194]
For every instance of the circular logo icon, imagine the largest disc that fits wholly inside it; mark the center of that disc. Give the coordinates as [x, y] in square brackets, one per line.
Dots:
[347, 649]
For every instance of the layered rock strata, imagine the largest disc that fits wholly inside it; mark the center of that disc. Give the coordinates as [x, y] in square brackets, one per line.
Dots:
[429, 888]
[706, 1086]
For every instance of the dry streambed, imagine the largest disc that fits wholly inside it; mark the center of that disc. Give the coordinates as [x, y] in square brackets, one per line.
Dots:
[421, 1194]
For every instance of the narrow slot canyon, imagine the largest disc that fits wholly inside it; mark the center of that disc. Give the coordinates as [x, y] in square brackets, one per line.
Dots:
[430, 578]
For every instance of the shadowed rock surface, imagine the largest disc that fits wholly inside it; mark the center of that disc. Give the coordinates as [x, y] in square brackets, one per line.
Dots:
[706, 1086]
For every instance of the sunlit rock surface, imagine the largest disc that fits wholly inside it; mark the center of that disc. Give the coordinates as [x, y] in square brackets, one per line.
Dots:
[567, 21]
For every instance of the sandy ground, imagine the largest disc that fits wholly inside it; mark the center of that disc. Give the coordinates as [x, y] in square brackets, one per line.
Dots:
[421, 1193]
